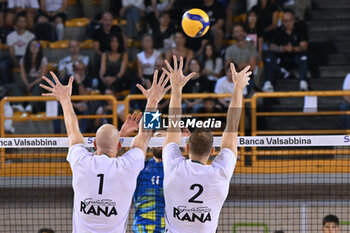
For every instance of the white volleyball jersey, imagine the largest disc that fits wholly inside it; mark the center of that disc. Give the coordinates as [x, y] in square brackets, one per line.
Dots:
[103, 189]
[194, 193]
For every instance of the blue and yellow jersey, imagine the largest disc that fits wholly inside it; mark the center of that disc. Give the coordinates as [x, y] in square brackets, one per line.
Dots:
[149, 199]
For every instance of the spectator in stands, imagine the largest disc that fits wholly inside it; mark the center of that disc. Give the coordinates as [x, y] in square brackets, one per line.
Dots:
[101, 37]
[180, 50]
[65, 65]
[212, 63]
[3, 8]
[30, 7]
[17, 42]
[198, 84]
[216, 13]
[32, 66]
[242, 53]
[7, 26]
[254, 33]
[146, 60]
[82, 85]
[267, 13]
[106, 108]
[54, 11]
[131, 10]
[209, 106]
[46, 230]
[330, 224]
[286, 51]
[346, 105]
[163, 34]
[226, 85]
[113, 66]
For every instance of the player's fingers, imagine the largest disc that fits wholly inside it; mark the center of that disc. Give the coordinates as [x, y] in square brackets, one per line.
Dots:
[50, 89]
[249, 73]
[70, 83]
[245, 69]
[47, 94]
[133, 116]
[139, 116]
[175, 62]
[181, 63]
[161, 79]
[188, 77]
[48, 81]
[165, 71]
[168, 65]
[155, 77]
[233, 68]
[165, 81]
[142, 89]
[55, 78]
[128, 117]
[167, 89]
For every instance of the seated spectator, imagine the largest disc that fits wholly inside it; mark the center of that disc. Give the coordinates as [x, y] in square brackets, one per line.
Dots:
[287, 51]
[197, 84]
[46, 230]
[146, 60]
[267, 13]
[163, 34]
[82, 85]
[106, 108]
[17, 42]
[254, 33]
[32, 66]
[242, 53]
[113, 66]
[209, 106]
[54, 11]
[330, 224]
[346, 105]
[180, 50]
[212, 63]
[131, 10]
[226, 85]
[298, 6]
[65, 65]
[29, 7]
[101, 37]
[7, 26]
[216, 13]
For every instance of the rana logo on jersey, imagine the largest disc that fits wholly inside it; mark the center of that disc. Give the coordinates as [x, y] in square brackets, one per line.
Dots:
[104, 207]
[151, 120]
[201, 214]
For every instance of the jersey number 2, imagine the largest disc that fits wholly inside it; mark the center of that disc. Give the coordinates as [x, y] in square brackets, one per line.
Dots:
[200, 190]
[101, 183]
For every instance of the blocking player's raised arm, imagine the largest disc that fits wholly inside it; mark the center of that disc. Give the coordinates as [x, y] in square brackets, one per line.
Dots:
[229, 137]
[63, 95]
[154, 95]
[177, 81]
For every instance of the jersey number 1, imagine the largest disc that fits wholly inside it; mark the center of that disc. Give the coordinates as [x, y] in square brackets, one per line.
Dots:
[101, 183]
[200, 190]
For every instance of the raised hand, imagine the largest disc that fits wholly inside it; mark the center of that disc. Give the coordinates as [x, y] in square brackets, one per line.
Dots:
[157, 90]
[58, 90]
[241, 79]
[177, 79]
[131, 124]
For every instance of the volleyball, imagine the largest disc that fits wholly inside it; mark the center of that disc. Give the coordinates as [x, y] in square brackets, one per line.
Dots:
[195, 22]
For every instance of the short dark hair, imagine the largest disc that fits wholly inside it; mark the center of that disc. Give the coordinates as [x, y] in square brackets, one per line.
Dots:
[162, 13]
[200, 142]
[288, 10]
[19, 15]
[46, 230]
[239, 25]
[330, 218]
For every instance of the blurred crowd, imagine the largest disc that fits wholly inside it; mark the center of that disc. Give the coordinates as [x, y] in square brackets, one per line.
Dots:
[268, 35]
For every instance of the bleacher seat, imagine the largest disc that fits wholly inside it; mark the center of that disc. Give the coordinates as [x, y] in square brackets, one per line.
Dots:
[76, 28]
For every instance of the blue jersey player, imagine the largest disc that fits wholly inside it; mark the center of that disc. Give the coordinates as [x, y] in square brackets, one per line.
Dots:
[149, 197]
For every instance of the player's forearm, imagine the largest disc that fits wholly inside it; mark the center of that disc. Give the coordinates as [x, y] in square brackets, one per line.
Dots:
[234, 111]
[70, 119]
[175, 109]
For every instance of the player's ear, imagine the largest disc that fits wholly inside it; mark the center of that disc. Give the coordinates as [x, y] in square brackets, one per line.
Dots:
[95, 144]
[119, 146]
[212, 151]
